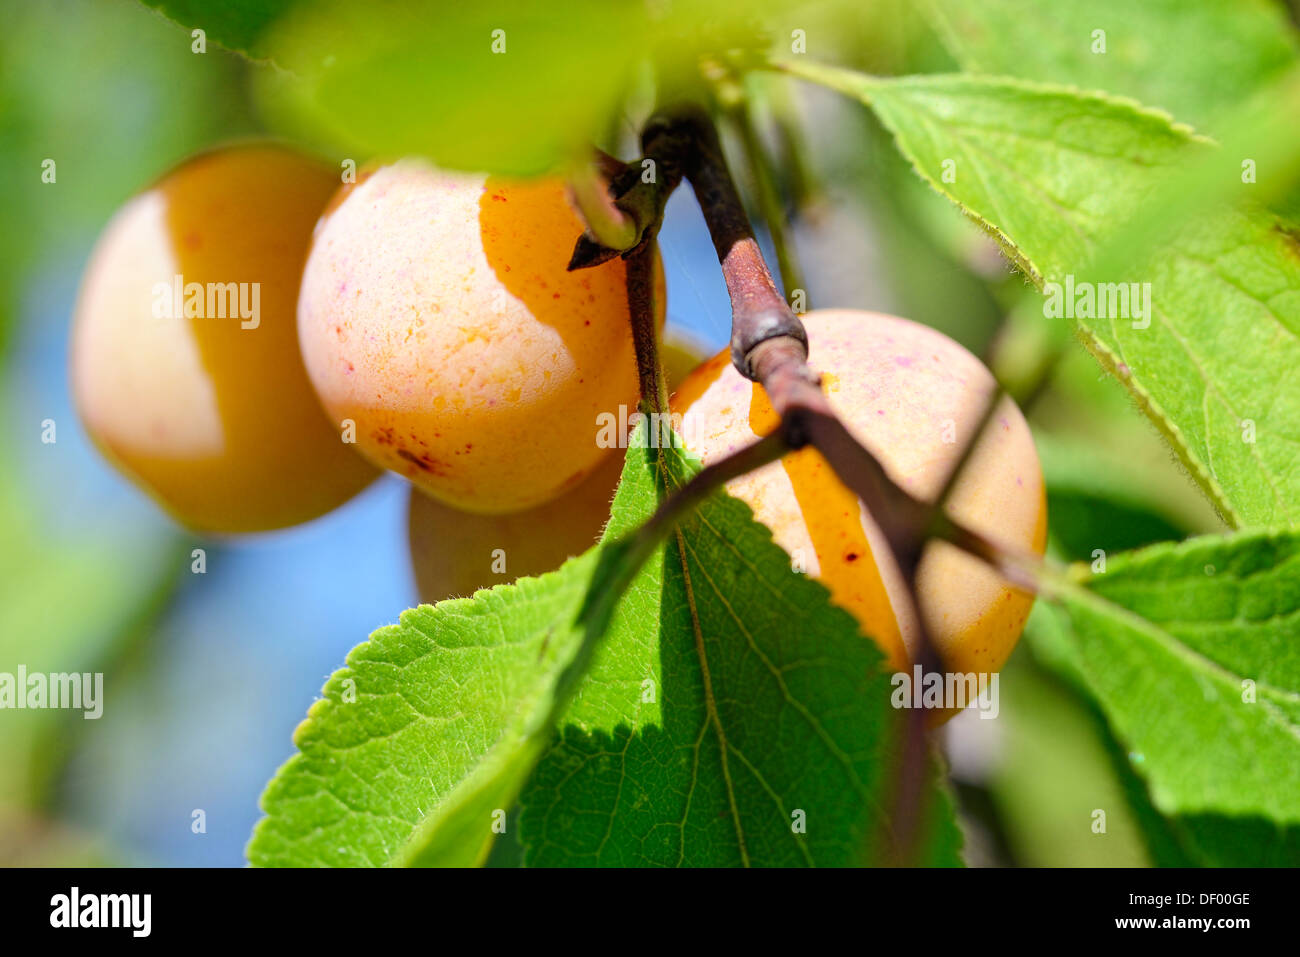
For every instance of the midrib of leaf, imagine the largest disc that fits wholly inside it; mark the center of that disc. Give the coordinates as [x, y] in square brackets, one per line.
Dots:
[658, 767]
[1168, 429]
[669, 480]
[1281, 706]
[710, 703]
[817, 727]
[1194, 659]
[543, 644]
[801, 709]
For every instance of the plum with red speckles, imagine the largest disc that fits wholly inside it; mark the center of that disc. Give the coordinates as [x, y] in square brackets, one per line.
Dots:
[913, 397]
[185, 365]
[455, 553]
[437, 313]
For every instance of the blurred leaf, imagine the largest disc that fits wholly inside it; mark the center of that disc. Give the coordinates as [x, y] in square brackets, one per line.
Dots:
[1095, 440]
[32, 841]
[1191, 652]
[1192, 59]
[1026, 352]
[1051, 173]
[1053, 771]
[1102, 499]
[111, 114]
[1207, 840]
[931, 258]
[504, 86]
[1216, 840]
[239, 25]
[1083, 522]
[66, 606]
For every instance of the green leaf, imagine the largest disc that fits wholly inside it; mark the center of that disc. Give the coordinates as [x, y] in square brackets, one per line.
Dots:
[239, 25]
[421, 744]
[425, 739]
[1109, 499]
[144, 111]
[1173, 840]
[1190, 58]
[1191, 651]
[503, 86]
[1052, 174]
[742, 705]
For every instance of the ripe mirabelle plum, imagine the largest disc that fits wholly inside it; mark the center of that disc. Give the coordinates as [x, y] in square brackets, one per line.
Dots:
[455, 553]
[913, 397]
[185, 365]
[438, 314]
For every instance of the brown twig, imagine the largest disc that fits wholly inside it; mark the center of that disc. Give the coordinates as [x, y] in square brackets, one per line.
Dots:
[731, 96]
[769, 345]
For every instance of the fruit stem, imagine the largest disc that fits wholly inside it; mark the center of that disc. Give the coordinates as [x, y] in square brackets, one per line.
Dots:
[641, 309]
[606, 223]
[639, 191]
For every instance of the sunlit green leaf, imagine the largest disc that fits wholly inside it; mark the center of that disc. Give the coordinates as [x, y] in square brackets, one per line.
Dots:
[1192, 652]
[1204, 345]
[1192, 59]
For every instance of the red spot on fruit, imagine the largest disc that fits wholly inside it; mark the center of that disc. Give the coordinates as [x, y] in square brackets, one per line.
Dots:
[424, 463]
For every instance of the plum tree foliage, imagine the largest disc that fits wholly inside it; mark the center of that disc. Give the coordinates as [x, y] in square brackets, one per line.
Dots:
[252, 340]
